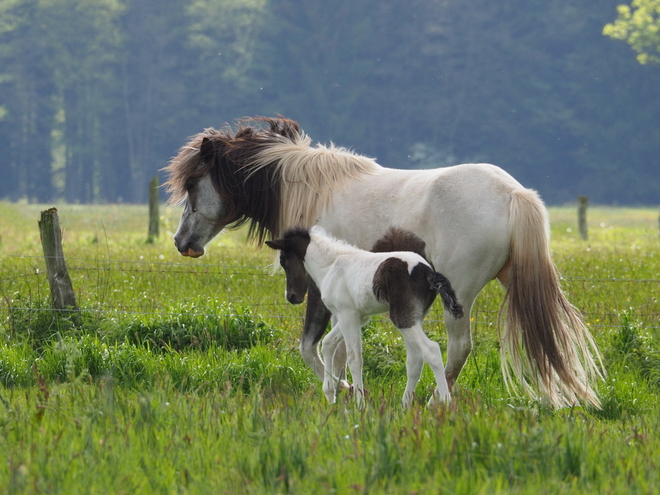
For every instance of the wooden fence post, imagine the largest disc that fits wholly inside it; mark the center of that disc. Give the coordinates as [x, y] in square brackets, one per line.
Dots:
[153, 209]
[583, 202]
[61, 289]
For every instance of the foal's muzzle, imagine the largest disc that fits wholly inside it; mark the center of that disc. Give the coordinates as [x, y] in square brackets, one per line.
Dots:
[294, 298]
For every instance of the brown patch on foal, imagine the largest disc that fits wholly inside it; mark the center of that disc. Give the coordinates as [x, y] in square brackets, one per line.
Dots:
[391, 285]
[396, 239]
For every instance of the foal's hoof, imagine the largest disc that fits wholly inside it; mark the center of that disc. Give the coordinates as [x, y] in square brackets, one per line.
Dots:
[437, 400]
[351, 392]
[344, 385]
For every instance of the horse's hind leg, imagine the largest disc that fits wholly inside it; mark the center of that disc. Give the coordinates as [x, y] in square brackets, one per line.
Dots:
[459, 341]
[317, 317]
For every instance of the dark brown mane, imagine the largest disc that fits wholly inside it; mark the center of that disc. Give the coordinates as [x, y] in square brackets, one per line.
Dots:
[249, 194]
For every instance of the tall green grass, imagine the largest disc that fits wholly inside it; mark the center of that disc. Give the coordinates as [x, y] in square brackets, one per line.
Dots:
[184, 376]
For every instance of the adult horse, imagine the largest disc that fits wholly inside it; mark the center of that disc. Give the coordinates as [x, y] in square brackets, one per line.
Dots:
[477, 221]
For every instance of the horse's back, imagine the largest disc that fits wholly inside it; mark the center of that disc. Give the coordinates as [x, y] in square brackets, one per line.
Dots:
[460, 212]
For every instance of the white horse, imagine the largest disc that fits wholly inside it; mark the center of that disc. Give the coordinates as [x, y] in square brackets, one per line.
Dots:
[356, 285]
[477, 221]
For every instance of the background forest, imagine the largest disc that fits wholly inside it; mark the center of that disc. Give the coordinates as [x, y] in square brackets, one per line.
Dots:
[97, 95]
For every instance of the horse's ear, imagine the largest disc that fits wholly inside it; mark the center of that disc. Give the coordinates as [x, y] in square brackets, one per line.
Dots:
[276, 244]
[206, 150]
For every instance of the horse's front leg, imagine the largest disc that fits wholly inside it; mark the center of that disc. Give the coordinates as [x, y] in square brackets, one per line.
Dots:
[317, 317]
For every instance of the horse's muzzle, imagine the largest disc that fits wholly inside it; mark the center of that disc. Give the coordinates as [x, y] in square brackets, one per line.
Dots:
[188, 248]
[192, 253]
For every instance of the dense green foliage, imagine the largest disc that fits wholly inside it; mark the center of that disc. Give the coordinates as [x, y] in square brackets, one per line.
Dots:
[183, 375]
[97, 95]
[640, 28]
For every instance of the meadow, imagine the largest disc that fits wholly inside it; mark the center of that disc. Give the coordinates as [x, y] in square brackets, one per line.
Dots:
[183, 376]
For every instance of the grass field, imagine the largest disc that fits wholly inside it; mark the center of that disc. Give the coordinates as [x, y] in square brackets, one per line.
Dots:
[183, 376]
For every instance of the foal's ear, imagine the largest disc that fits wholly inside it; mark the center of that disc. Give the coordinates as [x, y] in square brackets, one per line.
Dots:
[206, 150]
[276, 244]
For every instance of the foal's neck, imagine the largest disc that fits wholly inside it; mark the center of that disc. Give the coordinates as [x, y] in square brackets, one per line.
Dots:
[322, 252]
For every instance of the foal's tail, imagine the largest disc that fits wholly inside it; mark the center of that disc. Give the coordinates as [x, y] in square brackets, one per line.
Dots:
[440, 285]
[557, 344]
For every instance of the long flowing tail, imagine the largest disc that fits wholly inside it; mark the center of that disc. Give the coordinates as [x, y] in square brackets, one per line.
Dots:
[545, 342]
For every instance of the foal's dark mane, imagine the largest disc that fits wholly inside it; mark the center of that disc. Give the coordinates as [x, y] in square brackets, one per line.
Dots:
[250, 194]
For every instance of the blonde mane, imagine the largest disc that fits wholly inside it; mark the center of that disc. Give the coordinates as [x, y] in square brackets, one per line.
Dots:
[309, 176]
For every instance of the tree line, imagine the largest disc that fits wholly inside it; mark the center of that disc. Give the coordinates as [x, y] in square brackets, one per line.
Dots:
[97, 95]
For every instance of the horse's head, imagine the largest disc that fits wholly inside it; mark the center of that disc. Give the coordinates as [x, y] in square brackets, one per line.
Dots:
[222, 183]
[203, 218]
[204, 210]
[293, 247]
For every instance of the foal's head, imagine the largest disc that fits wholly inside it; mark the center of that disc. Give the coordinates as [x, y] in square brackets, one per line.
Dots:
[293, 247]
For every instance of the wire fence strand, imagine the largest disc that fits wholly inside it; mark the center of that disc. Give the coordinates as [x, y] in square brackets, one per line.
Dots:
[81, 265]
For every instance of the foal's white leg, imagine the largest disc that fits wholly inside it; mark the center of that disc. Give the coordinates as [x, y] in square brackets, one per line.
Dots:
[417, 341]
[339, 363]
[414, 365]
[339, 360]
[328, 349]
[351, 329]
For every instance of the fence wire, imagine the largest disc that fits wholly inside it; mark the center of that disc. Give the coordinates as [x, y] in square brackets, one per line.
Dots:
[276, 311]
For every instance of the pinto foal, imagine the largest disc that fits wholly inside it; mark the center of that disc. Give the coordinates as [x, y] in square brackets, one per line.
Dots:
[356, 285]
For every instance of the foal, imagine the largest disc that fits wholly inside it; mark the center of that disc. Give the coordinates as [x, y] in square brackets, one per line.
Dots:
[357, 284]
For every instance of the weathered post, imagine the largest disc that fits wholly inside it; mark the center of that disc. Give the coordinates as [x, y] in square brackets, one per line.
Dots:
[153, 209]
[61, 289]
[583, 202]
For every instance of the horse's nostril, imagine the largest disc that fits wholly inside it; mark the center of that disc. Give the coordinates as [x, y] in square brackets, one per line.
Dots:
[294, 298]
